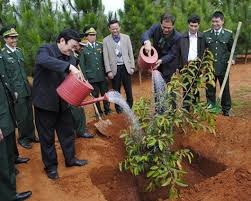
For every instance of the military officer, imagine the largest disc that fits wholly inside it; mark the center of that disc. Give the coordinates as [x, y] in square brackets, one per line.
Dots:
[92, 65]
[7, 141]
[78, 113]
[219, 41]
[15, 71]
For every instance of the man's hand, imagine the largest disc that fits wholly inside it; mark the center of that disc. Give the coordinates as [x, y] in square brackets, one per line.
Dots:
[75, 71]
[233, 62]
[110, 75]
[157, 64]
[148, 47]
[1, 135]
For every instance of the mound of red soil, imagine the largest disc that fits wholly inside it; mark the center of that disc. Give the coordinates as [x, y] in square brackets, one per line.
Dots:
[220, 170]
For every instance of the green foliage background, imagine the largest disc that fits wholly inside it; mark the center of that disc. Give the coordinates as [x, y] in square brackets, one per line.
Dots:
[39, 21]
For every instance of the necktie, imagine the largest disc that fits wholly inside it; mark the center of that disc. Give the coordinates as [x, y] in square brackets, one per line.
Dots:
[93, 45]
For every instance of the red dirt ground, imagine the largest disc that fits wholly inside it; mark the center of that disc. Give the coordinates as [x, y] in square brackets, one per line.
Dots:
[221, 170]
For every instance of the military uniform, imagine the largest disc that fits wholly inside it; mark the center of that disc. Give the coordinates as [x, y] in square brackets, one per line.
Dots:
[23, 106]
[92, 65]
[7, 125]
[220, 45]
[79, 119]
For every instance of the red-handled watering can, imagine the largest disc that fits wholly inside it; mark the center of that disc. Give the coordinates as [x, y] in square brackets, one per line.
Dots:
[146, 61]
[74, 91]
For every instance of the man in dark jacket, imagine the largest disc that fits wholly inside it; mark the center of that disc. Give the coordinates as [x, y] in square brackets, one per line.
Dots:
[53, 63]
[7, 141]
[191, 47]
[165, 41]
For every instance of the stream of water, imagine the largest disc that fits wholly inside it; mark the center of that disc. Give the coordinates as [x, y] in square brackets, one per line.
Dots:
[115, 97]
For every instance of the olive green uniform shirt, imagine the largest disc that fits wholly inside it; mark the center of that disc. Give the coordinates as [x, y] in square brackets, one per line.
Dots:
[220, 45]
[15, 71]
[92, 64]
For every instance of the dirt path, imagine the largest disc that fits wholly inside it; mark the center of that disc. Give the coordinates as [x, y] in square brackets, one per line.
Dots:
[228, 155]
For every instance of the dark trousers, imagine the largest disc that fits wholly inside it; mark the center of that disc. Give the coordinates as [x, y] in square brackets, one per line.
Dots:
[16, 152]
[123, 77]
[7, 169]
[79, 120]
[47, 122]
[102, 88]
[24, 115]
[225, 100]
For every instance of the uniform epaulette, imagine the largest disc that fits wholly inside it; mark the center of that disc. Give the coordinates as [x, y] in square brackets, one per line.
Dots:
[207, 30]
[228, 30]
[18, 48]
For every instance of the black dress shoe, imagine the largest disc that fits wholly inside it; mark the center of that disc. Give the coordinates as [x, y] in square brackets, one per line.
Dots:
[52, 174]
[35, 140]
[23, 196]
[77, 162]
[226, 114]
[85, 135]
[21, 160]
[25, 144]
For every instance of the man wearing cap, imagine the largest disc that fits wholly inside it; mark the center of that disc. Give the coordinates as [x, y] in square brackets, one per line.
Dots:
[119, 60]
[78, 113]
[7, 141]
[92, 65]
[15, 71]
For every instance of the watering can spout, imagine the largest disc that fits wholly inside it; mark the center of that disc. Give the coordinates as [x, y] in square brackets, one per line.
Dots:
[94, 100]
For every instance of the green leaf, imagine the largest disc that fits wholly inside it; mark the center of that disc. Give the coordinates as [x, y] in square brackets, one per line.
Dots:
[167, 182]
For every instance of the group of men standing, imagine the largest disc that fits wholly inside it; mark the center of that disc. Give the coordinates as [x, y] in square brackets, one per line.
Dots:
[114, 59]
[176, 50]
[52, 114]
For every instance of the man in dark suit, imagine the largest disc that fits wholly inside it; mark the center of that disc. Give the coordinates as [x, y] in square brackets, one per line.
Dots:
[7, 141]
[15, 71]
[53, 63]
[165, 41]
[219, 41]
[191, 47]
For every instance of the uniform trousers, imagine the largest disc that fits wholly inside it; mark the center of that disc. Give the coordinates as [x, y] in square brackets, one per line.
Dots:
[225, 100]
[24, 115]
[102, 88]
[7, 169]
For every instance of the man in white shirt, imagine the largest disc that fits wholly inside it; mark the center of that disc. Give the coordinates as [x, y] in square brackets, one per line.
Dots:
[191, 47]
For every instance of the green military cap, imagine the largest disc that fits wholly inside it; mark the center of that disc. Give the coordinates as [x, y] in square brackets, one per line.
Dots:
[9, 30]
[90, 31]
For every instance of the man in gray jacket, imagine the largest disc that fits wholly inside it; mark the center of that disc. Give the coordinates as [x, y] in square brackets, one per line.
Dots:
[119, 60]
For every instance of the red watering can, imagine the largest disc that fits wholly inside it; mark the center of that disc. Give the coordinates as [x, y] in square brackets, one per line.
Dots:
[74, 91]
[146, 61]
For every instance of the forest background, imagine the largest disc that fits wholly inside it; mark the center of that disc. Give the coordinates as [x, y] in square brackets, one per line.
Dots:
[40, 21]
